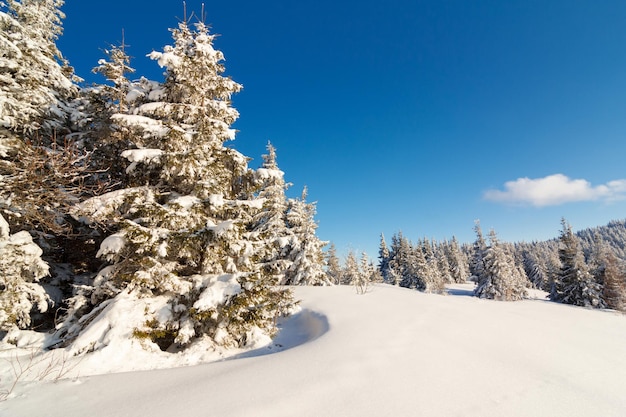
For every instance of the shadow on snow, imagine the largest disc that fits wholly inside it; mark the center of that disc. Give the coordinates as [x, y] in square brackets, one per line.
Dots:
[297, 329]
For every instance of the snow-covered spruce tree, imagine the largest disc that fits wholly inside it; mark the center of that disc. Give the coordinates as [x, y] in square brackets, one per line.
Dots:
[21, 267]
[398, 255]
[37, 163]
[270, 233]
[444, 267]
[433, 277]
[476, 266]
[596, 259]
[394, 272]
[501, 279]
[99, 105]
[333, 268]
[35, 81]
[575, 284]
[614, 279]
[368, 275]
[383, 259]
[180, 254]
[370, 272]
[415, 272]
[457, 261]
[351, 274]
[535, 270]
[306, 253]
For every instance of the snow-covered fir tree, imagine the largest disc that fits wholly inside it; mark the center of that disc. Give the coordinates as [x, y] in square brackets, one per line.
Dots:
[351, 273]
[369, 274]
[36, 83]
[21, 267]
[614, 280]
[575, 284]
[535, 270]
[272, 237]
[306, 252]
[39, 166]
[333, 267]
[597, 258]
[416, 270]
[476, 266]
[500, 279]
[458, 263]
[398, 259]
[432, 276]
[98, 106]
[180, 246]
[383, 259]
[444, 267]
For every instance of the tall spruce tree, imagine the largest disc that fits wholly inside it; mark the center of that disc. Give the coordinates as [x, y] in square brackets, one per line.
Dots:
[180, 244]
[36, 84]
[501, 279]
[351, 273]
[458, 262]
[333, 268]
[21, 267]
[383, 259]
[476, 263]
[306, 253]
[39, 168]
[574, 283]
[270, 231]
[98, 105]
[614, 279]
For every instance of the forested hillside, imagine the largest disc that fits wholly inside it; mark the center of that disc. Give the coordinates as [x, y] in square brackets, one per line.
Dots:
[586, 268]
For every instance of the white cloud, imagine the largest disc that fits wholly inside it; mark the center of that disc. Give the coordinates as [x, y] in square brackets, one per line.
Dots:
[556, 189]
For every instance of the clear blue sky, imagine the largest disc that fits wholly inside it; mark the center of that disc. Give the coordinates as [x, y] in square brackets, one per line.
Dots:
[417, 116]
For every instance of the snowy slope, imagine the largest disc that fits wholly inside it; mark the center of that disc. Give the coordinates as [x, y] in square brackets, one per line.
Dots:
[390, 352]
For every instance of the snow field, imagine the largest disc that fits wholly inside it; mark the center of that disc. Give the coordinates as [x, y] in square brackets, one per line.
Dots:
[390, 352]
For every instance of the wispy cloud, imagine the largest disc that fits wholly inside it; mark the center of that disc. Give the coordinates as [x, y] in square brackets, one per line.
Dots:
[556, 189]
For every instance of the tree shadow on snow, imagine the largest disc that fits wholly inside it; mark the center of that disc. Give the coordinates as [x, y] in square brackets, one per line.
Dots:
[297, 329]
[461, 291]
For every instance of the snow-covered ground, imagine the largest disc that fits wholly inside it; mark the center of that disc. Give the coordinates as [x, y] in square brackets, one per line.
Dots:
[391, 352]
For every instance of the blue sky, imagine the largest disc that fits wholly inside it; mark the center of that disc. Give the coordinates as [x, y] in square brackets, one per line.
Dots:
[408, 115]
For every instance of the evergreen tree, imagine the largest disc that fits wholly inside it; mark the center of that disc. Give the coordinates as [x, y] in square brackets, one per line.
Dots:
[333, 268]
[535, 270]
[432, 276]
[396, 259]
[444, 268]
[476, 265]
[269, 230]
[351, 274]
[614, 279]
[500, 280]
[99, 105]
[575, 284]
[457, 261]
[366, 276]
[383, 259]
[21, 267]
[181, 226]
[417, 270]
[36, 84]
[39, 167]
[306, 254]
[405, 263]
[597, 258]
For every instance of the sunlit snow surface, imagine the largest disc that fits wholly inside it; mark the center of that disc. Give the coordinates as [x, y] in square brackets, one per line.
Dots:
[391, 352]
